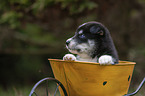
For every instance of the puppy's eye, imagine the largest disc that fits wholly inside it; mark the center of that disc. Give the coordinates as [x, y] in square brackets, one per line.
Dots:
[82, 36]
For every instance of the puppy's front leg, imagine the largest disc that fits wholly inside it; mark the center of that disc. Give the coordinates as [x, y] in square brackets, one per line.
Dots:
[69, 57]
[106, 60]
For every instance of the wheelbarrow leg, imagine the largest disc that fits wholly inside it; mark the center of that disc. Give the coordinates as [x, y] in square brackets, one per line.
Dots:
[139, 87]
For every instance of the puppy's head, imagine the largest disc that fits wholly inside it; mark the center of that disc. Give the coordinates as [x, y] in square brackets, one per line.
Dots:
[86, 38]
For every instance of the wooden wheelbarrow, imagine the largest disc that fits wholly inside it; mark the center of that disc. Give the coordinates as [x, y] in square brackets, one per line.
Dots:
[77, 78]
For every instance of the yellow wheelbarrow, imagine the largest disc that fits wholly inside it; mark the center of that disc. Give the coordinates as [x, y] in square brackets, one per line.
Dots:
[75, 78]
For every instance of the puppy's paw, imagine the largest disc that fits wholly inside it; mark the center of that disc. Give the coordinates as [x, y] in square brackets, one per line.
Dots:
[69, 57]
[106, 60]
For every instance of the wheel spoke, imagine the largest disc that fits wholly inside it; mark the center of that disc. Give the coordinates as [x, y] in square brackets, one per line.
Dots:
[56, 89]
[35, 93]
[47, 87]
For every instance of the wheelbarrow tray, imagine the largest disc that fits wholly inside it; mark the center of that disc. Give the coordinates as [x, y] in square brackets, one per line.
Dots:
[92, 79]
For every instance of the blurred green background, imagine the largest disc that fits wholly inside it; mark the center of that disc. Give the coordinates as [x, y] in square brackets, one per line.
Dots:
[31, 31]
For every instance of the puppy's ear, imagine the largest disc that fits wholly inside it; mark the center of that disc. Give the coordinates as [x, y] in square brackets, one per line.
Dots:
[96, 30]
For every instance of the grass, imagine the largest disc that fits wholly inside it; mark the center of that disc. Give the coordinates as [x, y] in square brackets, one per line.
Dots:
[15, 91]
[25, 90]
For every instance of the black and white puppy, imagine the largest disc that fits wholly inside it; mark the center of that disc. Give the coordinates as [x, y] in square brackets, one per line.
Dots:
[92, 43]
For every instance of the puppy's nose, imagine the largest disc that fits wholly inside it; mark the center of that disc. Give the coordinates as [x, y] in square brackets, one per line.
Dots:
[67, 42]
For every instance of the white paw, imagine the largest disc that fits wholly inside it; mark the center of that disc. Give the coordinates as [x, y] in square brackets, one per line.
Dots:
[69, 57]
[106, 60]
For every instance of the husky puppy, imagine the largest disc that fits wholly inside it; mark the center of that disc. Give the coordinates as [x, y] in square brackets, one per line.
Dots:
[92, 43]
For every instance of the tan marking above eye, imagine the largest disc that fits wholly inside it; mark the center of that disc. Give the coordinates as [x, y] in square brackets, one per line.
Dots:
[81, 32]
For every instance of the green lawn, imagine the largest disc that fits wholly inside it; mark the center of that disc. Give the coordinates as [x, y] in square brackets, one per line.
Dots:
[15, 91]
[25, 90]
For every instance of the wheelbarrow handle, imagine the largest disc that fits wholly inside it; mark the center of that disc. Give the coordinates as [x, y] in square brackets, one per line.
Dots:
[139, 87]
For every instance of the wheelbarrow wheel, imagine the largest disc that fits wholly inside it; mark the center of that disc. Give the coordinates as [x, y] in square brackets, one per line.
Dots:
[59, 84]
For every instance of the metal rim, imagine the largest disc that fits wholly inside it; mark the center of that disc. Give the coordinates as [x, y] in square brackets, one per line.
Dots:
[121, 63]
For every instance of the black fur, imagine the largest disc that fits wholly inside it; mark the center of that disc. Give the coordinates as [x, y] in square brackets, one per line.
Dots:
[100, 35]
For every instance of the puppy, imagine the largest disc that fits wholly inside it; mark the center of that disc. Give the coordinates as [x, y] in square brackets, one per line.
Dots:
[92, 43]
